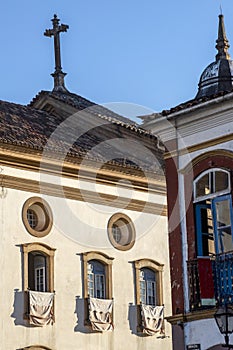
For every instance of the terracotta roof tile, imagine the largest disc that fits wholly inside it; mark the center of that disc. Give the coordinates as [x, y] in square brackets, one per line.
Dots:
[193, 102]
[80, 103]
[32, 128]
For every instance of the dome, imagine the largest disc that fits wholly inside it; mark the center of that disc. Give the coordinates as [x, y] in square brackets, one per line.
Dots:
[218, 76]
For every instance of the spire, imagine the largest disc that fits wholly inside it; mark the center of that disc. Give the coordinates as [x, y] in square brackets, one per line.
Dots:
[222, 43]
[217, 77]
[58, 75]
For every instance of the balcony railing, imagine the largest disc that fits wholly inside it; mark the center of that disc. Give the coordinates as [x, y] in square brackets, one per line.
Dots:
[194, 290]
[223, 278]
[210, 281]
[201, 284]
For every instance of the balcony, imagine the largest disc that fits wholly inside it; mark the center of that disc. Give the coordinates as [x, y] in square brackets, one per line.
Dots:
[223, 278]
[201, 283]
[210, 281]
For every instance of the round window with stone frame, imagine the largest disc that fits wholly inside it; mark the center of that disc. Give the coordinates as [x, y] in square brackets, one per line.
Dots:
[121, 232]
[37, 217]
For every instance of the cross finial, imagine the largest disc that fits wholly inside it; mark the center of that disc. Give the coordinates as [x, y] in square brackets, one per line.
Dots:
[58, 75]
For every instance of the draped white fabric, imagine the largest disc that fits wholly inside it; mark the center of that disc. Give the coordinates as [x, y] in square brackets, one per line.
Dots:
[40, 308]
[152, 318]
[100, 314]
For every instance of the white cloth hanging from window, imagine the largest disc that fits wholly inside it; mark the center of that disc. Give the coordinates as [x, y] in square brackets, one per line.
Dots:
[152, 318]
[100, 314]
[40, 308]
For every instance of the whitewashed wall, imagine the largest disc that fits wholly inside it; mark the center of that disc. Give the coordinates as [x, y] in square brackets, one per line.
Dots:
[79, 219]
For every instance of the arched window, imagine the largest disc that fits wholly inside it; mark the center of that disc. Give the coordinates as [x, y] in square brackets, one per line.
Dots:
[213, 212]
[148, 286]
[96, 279]
[211, 183]
[38, 272]
[148, 275]
[97, 275]
[38, 267]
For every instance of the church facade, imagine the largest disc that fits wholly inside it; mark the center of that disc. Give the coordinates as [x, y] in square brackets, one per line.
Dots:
[84, 243]
[199, 162]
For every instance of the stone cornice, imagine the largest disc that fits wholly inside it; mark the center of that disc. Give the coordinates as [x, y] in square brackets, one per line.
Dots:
[188, 121]
[82, 195]
[200, 146]
[71, 167]
[179, 319]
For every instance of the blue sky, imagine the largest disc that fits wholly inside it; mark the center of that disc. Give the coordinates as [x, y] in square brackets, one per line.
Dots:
[148, 53]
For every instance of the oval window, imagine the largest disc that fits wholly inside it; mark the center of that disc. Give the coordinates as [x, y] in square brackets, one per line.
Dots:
[121, 232]
[37, 217]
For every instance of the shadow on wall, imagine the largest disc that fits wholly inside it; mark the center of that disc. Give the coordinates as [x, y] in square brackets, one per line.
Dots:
[18, 307]
[133, 309]
[81, 307]
[133, 320]
[81, 318]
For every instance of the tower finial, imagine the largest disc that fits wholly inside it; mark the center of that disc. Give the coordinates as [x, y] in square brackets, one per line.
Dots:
[222, 44]
[58, 75]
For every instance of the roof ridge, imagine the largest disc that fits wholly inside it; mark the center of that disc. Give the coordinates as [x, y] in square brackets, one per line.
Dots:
[111, 116]
[194, 102]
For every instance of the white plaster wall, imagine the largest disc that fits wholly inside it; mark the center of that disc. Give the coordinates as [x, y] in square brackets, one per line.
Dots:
[206, 128]
[76, 221]
[204, 332]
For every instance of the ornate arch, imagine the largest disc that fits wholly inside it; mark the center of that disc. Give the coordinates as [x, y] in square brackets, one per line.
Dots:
[213, 158]
[219, 158]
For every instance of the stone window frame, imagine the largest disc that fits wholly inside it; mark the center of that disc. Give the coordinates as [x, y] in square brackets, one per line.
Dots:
[47, 213]
[49, 254]
[113, 219]
[107, 262]
[158, 269]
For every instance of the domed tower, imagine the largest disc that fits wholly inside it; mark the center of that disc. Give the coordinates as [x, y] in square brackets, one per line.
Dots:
[218, 76]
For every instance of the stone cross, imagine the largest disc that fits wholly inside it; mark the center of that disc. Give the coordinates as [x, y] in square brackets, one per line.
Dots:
[58, 75]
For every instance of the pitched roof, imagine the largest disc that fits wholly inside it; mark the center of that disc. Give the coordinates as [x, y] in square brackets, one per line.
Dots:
[32, 128]
[80, 103]
[21, 125]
